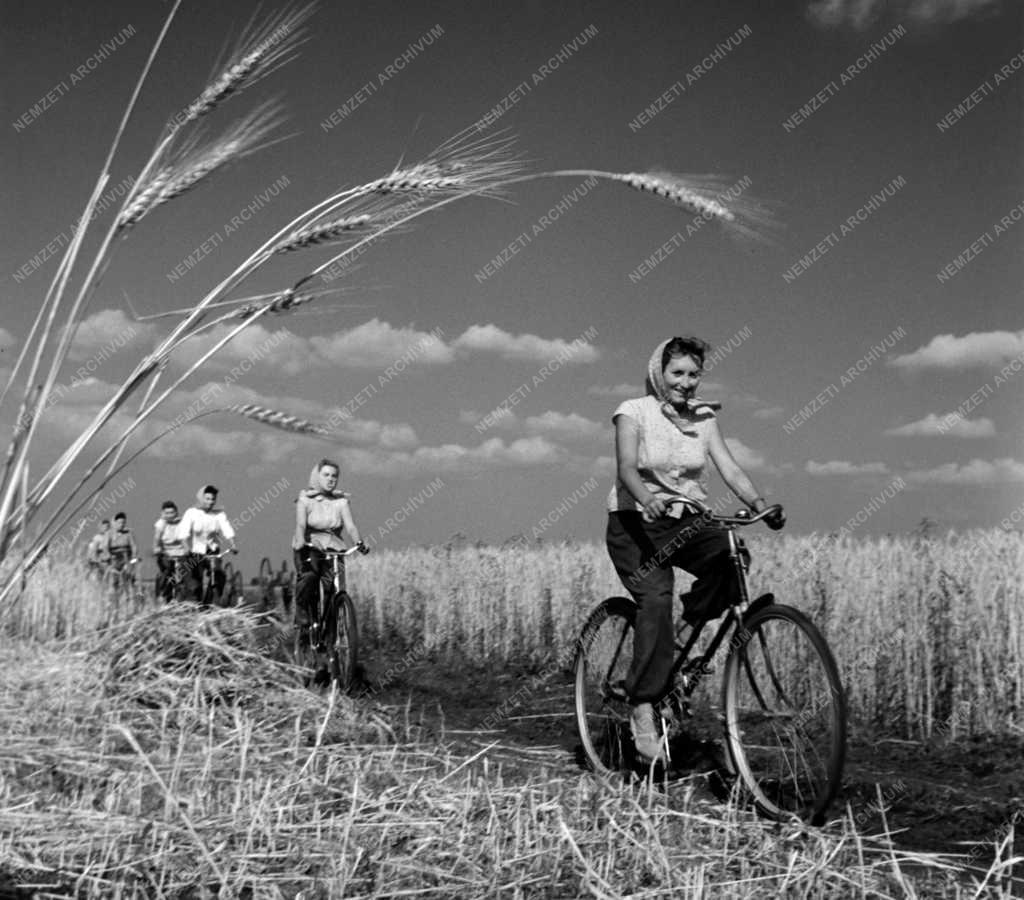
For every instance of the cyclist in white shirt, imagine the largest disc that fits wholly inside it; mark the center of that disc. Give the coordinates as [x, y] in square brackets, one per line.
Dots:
[167, 548]
[204, 529]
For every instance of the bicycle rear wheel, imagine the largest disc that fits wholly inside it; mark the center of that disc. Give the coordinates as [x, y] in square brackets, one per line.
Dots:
[604, 651]
[785, 714]
[345, 646]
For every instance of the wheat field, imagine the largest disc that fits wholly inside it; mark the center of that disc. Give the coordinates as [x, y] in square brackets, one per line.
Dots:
[164, 751]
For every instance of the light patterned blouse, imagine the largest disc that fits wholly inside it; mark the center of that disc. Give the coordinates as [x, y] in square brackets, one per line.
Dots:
[324, 523]
[669, 460]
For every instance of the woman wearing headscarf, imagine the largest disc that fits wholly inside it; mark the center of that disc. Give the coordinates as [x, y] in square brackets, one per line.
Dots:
[204, 529]
[322, 517]
[662, 443]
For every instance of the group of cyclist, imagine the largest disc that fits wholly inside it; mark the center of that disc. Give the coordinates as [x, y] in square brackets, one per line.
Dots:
[663, 442]
[186, 548]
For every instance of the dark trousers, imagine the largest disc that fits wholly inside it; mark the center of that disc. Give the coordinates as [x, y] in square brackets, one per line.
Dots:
[312, 567]
[163, 583]
[195, 565]
[643, 554]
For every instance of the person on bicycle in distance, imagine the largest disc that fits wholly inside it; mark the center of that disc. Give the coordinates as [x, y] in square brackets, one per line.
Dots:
[204, 529]
[167, 548]
[322, 516]
[121, 543]
[97, 552]
[662, 443]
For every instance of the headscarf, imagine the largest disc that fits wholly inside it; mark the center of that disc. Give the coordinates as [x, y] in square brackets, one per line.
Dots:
[656, 387]
[315, 490]
[199, 500]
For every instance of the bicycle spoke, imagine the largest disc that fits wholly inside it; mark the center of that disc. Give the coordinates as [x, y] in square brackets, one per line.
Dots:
[604, 654]
[785, 714]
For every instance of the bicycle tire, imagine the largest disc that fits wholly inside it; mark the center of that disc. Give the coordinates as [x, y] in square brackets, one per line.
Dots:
[785, 714]
[266, 573]
[604, 652]
[344, 649]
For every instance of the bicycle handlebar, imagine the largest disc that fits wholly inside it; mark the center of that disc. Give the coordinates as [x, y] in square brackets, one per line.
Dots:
[348, 551]
[743, 519]
[220, 554]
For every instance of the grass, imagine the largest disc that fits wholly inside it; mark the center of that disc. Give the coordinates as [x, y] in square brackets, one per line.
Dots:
[168, 757]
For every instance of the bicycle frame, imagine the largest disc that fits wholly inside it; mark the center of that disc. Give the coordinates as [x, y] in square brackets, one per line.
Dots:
[318, 625]
[694, 670]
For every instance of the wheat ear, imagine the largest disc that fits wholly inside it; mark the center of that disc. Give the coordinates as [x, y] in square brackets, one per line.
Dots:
[193, 165]
[263, 50]
[277, 419]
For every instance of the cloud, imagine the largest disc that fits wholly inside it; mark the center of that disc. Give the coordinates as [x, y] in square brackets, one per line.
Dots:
[501, 418]
[861, 14]
[769, 412]
[977, 472]
[622, 391]
[105, 333]
[522, 347]
[6, 339]
[377, 344]
[950, 425]
[748, 458]
[570, 427]
[842, 467]
[975, 350]
[492, 453]
[280, 351]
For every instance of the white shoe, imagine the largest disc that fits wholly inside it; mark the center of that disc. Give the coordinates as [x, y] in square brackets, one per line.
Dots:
[646, 733]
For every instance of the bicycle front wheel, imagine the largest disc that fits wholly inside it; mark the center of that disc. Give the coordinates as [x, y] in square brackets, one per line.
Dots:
[604, 652]
[344, 648]
[785, 714]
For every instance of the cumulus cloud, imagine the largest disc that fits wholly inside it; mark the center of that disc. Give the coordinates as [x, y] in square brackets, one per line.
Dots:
[522, 347]
[842, 467]
[492, 453]
[769, 412]
[562, 426]
[501, 418]
[622, 391]
[862, 14]
[976, 472]
[6, 339]
[256, 348]
[949, 425]
[975, 350]
[749, 459]
[106, 332]
[377, 344]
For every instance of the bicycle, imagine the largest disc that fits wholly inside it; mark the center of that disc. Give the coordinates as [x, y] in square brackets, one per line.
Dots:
[330, 641]
[783, 708]
[175, 587]
[119, 578]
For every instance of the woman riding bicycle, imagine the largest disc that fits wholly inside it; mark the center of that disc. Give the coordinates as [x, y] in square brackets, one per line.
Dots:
[203, 530]
[662, 443]
[322, 516]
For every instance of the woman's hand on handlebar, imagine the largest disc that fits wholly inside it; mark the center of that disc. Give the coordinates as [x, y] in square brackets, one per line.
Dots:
[654, 508]
[362, 548]
[776, 519]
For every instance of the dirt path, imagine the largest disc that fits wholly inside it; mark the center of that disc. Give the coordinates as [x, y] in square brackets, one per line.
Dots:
[951, 798]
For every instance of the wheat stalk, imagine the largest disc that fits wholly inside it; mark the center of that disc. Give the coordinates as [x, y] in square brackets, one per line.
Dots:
[277, 419]
[175, 178]
[259, 54]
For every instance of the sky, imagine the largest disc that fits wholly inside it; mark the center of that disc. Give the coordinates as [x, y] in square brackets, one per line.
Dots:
[870, 347]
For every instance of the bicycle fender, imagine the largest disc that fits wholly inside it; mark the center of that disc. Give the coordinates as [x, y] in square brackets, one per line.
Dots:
[760, 603]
